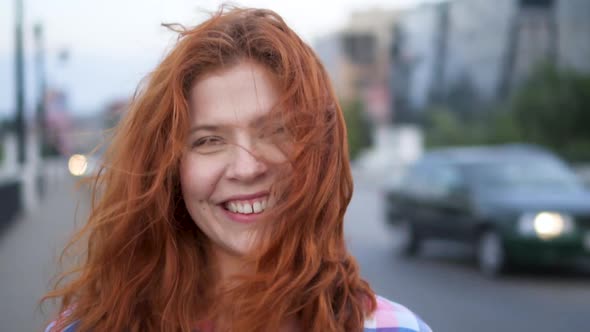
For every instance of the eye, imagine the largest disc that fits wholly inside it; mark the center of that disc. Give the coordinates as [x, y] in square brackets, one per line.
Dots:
[278, 130]
[272, 131]
[208, 140]
[208, 144]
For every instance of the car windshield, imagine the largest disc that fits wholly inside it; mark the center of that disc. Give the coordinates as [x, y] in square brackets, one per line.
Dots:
[535, 174]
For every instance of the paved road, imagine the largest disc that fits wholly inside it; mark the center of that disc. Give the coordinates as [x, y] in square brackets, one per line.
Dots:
[445, 289]
[441, 286]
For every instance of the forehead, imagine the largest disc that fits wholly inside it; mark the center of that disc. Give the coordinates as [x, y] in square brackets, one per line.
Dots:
[231, 96]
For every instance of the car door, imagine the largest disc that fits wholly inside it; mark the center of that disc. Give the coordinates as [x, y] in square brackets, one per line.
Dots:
[421, 201]
[450, 202]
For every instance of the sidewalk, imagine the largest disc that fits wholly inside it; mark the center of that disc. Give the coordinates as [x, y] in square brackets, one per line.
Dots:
[29, 248]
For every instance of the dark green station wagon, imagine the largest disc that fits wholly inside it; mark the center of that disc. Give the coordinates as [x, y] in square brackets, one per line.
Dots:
[517, 204]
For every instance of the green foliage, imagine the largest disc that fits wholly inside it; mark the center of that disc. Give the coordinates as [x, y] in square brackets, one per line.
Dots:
[357, 126]
[445, 127]
[551, 109]
[502, 128]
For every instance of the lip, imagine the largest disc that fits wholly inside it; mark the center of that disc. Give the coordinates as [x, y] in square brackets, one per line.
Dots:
[246, 197]
[239, 217]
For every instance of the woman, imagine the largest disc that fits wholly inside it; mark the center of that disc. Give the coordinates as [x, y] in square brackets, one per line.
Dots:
[222, 200]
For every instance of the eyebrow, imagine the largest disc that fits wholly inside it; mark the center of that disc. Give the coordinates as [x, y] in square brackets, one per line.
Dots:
[205, 128]
[211, 127]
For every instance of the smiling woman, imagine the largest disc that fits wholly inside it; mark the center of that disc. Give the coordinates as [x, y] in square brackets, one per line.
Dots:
[222, 205]
[227, 174]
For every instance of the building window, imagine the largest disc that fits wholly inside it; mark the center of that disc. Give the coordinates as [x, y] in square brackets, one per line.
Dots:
[360, 48]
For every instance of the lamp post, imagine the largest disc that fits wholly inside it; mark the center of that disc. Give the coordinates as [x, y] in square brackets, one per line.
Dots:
[42, 85]
[20, 84]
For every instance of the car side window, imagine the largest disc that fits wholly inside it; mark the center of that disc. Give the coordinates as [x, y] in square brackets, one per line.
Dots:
[433, 181]
[416, 183]
[447, 180]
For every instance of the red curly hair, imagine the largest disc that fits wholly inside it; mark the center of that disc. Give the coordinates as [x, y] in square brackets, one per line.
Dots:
[146, 265]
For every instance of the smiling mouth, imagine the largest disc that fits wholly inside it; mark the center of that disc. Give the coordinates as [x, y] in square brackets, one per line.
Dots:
[246, 207]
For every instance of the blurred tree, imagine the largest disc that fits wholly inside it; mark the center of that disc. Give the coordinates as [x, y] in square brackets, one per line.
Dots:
[457, 116]
[446, 127]
[443, 127]
[501, 126]
[551, 109]
[358, 127]
[463, 98]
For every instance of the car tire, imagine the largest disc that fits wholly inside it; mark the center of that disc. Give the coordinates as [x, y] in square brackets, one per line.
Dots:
[405, 238]
[491, 254]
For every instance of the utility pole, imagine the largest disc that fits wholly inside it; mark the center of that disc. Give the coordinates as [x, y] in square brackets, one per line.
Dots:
[42, 86]
[20, 84]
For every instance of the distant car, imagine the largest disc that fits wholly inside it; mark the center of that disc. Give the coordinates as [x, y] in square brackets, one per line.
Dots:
[517, 204]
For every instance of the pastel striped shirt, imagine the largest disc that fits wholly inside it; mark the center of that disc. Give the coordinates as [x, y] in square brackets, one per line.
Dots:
[394, 317]
[388, 317]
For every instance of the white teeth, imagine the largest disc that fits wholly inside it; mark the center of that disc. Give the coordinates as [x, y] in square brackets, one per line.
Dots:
[257, 207]
[246, 207]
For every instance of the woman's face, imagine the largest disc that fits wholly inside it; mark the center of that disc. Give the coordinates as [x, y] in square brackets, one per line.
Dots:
[233, 157]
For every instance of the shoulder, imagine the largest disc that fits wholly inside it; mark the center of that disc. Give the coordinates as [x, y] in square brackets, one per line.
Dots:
[69, 328]
[52, 326]
[391, 316]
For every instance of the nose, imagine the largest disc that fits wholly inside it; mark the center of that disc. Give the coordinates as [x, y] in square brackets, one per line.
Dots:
[246, 165]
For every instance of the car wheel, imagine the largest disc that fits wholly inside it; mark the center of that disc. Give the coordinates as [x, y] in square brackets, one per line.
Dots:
[405, 239]
[491, 255]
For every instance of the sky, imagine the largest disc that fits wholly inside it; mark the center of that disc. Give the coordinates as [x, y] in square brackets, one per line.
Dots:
[113, 44]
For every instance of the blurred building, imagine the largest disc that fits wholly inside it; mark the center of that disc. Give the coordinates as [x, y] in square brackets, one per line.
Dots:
[93, 130]
[58, 123]
[114, 111]
[573, 46]
[415, 53]
[358, 59]
[481, 49]
[329, 49]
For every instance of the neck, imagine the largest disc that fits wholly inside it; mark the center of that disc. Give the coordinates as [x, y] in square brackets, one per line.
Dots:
[229, 265]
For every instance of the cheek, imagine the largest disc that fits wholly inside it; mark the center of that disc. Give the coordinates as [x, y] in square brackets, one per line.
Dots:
[198, 178]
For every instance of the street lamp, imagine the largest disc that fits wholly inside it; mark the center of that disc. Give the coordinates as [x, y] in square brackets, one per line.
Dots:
[19, 83]
[42, 85]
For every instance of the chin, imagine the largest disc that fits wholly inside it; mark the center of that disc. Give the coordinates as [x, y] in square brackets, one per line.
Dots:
[238, 249]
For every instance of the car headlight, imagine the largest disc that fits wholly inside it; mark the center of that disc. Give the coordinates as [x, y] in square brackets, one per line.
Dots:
[545, 225]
